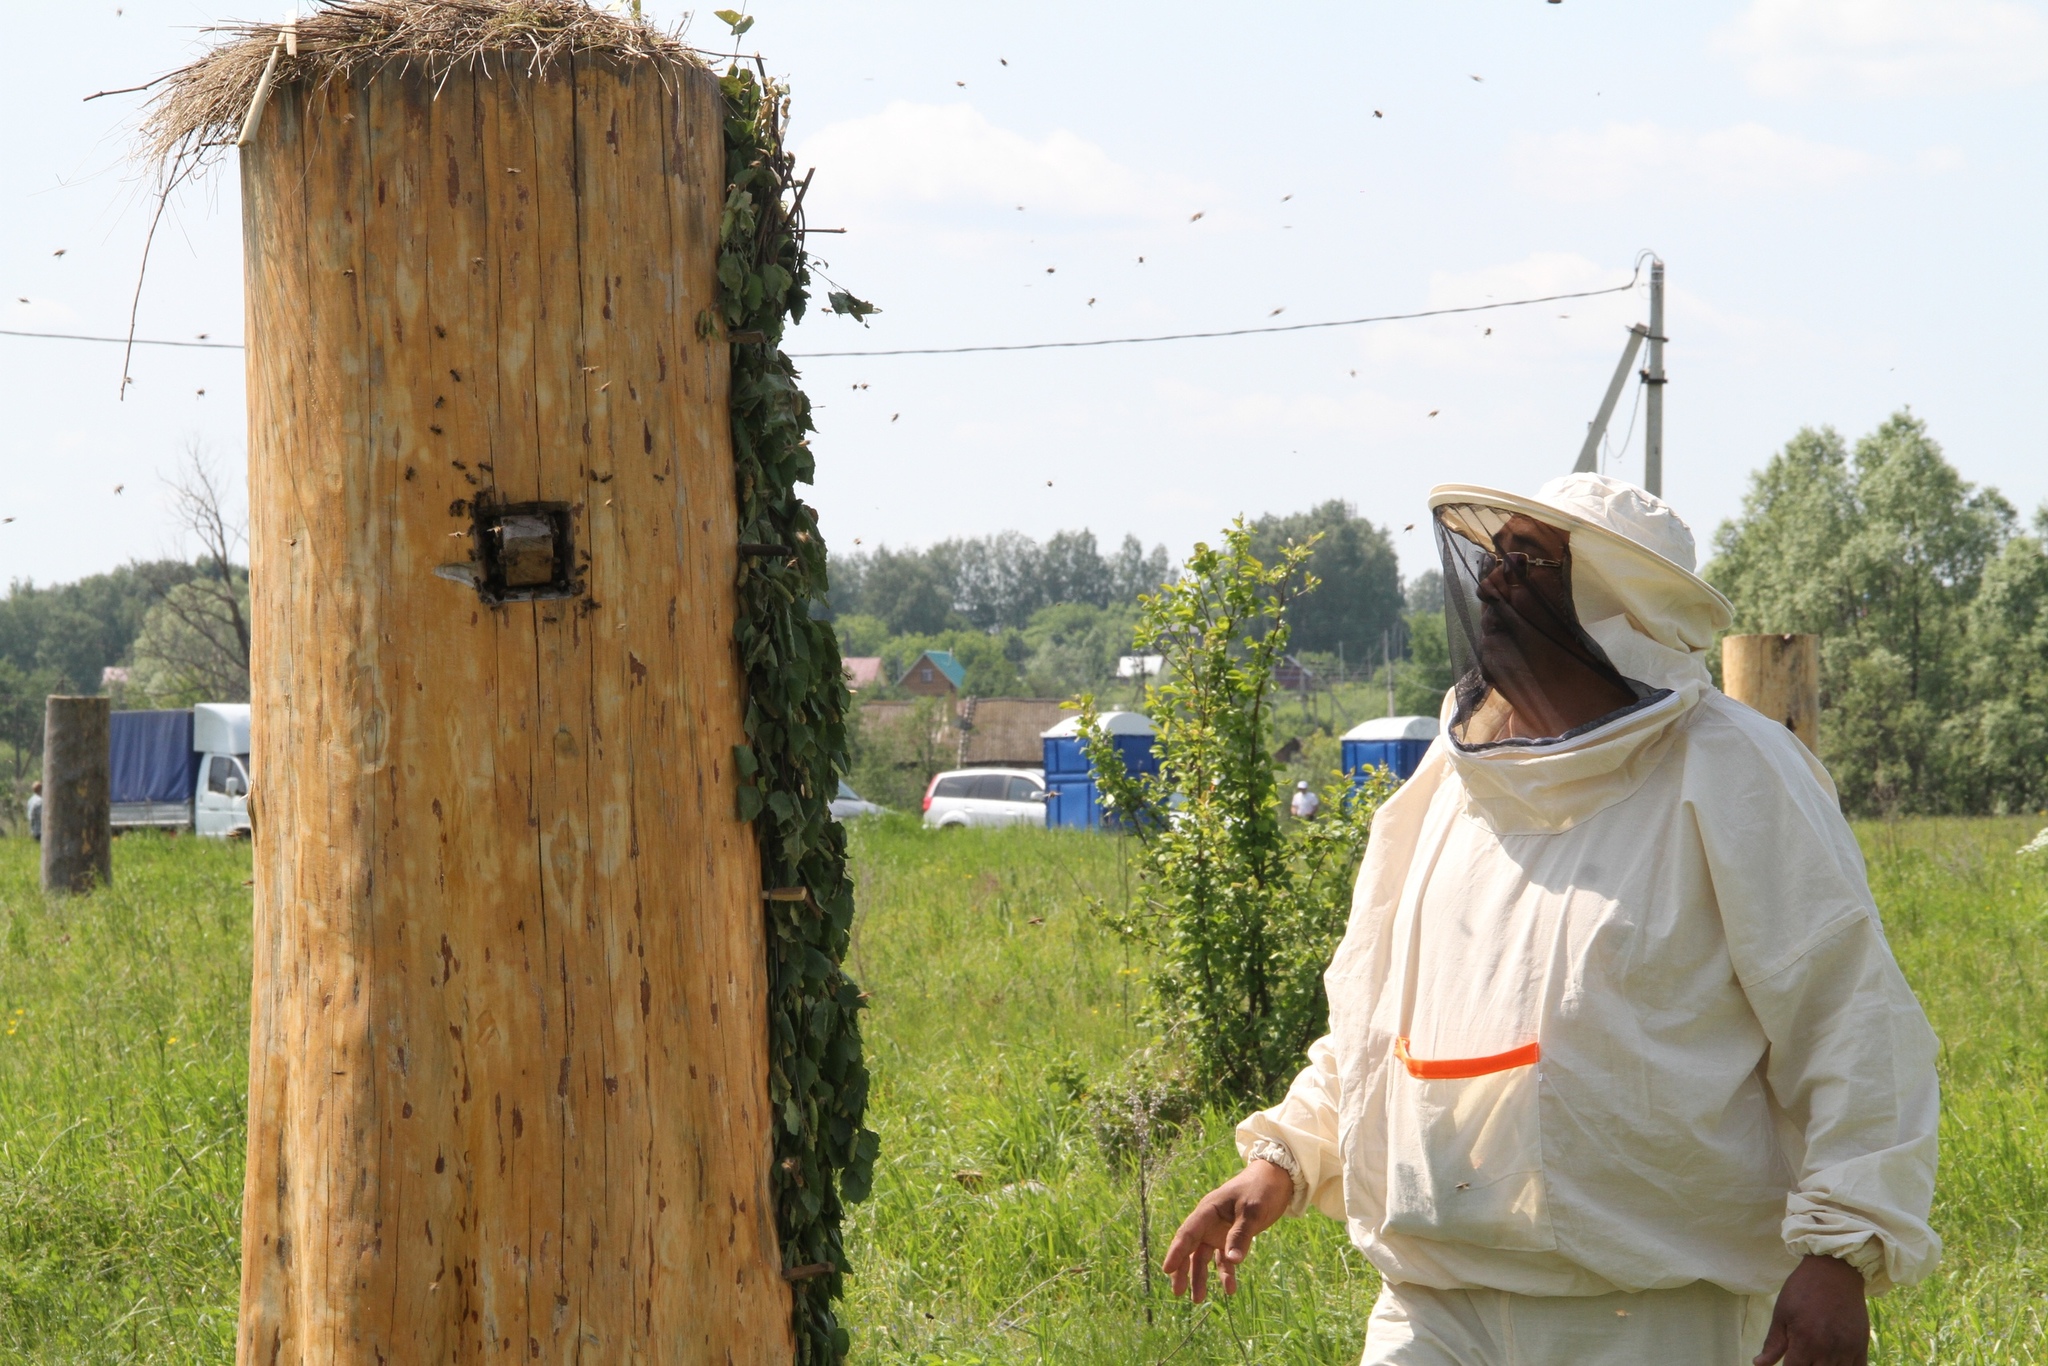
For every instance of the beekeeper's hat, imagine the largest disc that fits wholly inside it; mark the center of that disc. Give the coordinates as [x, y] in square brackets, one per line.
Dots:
[1631, 554]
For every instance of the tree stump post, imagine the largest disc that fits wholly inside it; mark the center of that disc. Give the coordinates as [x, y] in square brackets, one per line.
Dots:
[1779, 675]
[508, 1092]
[78, 835]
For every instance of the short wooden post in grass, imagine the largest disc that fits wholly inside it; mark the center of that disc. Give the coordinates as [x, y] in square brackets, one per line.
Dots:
[508, 1094]
[1779, 675]
[78, 839]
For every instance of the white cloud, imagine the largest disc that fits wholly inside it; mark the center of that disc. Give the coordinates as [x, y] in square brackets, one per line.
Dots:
[1888, 47]
[951, 154]
[1539, 273]
[1629, 159]
[1266, 416]
[1538, 339]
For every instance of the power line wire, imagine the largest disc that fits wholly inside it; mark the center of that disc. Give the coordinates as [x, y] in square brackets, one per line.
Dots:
[1015, 346]
[1228, 332]
[122, 341]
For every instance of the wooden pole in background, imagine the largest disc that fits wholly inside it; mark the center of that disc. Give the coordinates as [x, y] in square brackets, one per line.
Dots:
[78, 837]
[1779, 675]
[508, 1080]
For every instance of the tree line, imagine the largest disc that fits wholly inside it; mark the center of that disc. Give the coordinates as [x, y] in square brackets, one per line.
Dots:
[1932, 604]
[1929, 594]
[178, 629]
[1051, 619]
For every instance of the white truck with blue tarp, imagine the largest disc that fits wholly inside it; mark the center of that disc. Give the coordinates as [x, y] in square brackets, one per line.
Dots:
[186, 769]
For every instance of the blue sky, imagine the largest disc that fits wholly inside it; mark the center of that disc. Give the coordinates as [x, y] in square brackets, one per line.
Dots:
[1848, 194]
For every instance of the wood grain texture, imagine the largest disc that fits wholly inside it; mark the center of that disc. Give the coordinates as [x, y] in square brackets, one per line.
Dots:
[78, 838]
[1779, 675]
[508, 1095]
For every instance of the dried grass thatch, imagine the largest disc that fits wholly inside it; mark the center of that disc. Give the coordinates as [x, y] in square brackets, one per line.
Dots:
[203, 105]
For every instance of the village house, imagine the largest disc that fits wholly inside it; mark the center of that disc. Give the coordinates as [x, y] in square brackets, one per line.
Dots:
[935, 673]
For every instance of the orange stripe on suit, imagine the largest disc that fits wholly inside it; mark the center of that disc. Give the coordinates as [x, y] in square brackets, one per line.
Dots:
[1452, 1069]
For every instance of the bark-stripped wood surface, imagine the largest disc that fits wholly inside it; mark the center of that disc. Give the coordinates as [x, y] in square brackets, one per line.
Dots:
[1779, 675]
[507, 1091]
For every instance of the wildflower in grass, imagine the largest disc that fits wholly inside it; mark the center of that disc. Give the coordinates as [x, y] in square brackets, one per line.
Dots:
[2037, 845]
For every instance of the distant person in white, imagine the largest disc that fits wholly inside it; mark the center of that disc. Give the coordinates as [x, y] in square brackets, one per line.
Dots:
[1306, 803]
[35, 811]
[1620, 1068]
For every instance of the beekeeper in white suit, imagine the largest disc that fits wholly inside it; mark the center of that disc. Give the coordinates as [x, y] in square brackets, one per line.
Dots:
[1620, 1068]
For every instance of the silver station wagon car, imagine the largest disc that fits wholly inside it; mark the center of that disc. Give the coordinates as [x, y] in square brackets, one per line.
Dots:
[985, 796]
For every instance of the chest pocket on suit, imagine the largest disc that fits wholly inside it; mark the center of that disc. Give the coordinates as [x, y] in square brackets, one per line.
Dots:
[1465, 1150]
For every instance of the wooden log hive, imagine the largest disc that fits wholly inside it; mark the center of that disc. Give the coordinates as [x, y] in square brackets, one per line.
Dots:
[78, 837]
[508, 1092]
[1779, 675]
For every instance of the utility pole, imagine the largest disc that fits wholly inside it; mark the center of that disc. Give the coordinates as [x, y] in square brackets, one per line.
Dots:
[1387, 654]
[1589, 454]
[1653, 402]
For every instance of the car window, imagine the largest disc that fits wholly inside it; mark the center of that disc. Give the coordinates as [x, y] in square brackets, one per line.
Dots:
[218, 772]
[954, 785]
[1023, 790]
[989, 787]
[846, 792]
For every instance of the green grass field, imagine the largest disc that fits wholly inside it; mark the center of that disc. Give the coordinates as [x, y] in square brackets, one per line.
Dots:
[997, 1231]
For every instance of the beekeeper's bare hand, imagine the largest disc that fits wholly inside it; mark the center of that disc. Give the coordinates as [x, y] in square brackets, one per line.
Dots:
[1222, 1227]
[1821, 1319]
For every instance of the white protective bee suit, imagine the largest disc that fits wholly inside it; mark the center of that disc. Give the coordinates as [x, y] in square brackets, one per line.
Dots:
[1615, 1035]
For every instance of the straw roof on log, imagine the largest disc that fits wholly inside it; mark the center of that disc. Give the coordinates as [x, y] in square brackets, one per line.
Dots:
[202, 105]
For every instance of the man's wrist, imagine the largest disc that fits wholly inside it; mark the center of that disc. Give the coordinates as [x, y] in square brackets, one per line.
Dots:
[1278, 1154]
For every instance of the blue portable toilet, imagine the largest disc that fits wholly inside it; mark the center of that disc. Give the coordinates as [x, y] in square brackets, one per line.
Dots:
[1395, 742]
[1071, 797]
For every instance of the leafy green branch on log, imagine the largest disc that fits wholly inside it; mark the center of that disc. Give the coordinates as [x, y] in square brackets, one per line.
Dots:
[796, 746]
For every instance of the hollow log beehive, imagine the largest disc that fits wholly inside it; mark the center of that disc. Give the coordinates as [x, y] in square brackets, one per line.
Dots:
[77, 838]
[508, 1081]
[1779, 675]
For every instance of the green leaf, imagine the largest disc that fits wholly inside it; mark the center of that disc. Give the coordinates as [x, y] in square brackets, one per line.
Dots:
[795, 708]
[857, 1181]
[847, 305]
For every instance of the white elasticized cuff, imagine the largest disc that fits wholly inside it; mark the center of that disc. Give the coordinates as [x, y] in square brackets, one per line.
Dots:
[1866, 1255]
[1268, 1150]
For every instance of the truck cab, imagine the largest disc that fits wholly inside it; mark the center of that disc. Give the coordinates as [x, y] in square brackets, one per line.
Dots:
[220, 798]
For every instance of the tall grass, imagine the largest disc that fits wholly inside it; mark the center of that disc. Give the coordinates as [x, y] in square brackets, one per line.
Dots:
[123, 1072]
[1969, 923]
[998, 1231]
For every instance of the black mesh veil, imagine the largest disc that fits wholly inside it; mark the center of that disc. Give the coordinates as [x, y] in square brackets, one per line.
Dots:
[1525, 670]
